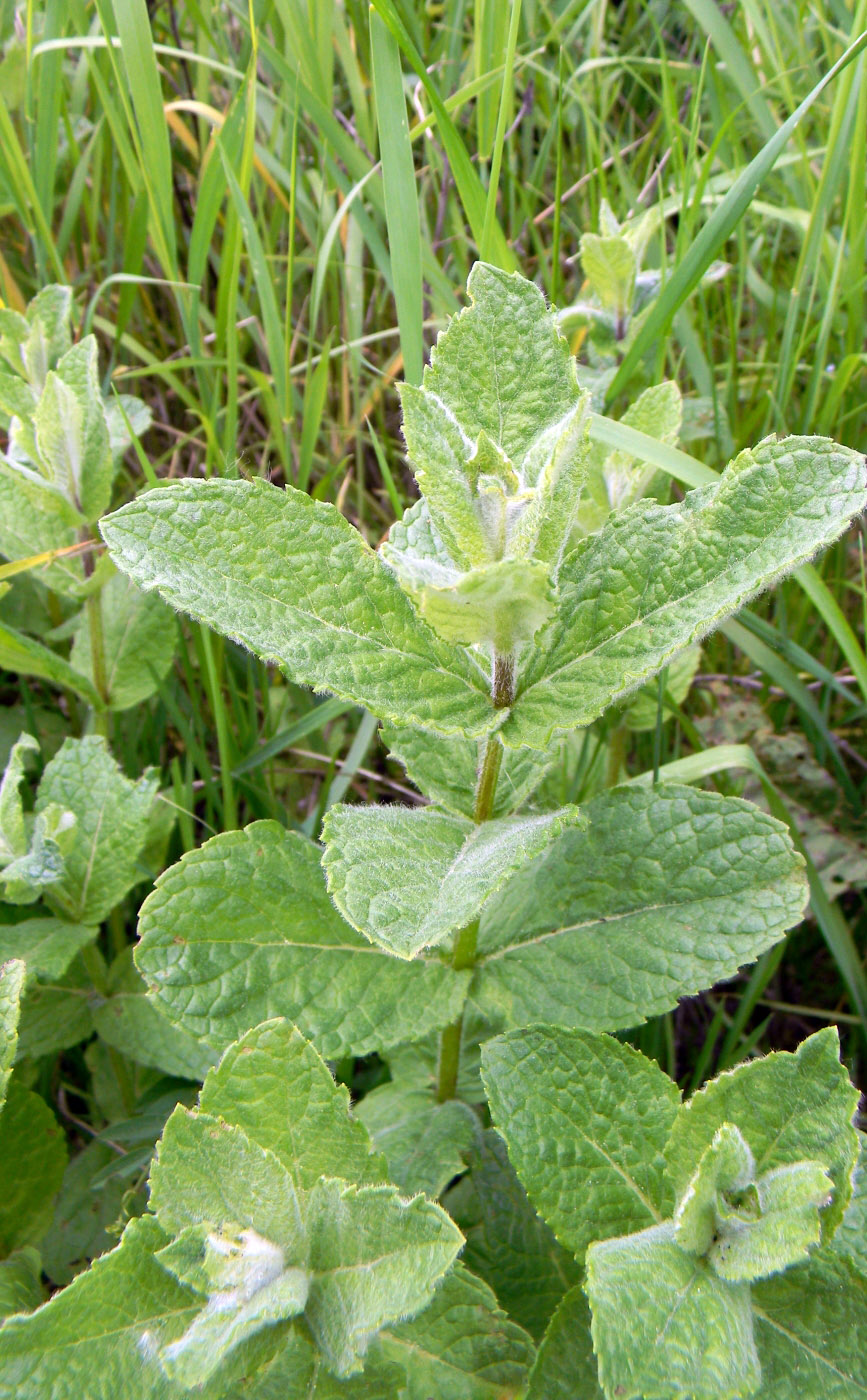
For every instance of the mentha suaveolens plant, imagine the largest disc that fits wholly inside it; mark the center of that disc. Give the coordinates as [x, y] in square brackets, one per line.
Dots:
[498, 616]
[715, 1265]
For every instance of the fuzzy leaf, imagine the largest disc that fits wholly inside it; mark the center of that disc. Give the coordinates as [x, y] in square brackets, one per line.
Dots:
[131, 1023]
[446, 769]
[32, 1162]
[248, 1287]
[12, 974]
[657, 578]
[291, 579]
[139, 637]
[208, 1172]
[83, 1214]
[726, 1166]
[415, 551]
[29, 527]
[508, 1244]
[275, 1087]
[609, 266]
[99, 1337]
[439, 452]
[851, 1236]
[566, 1367]
[688, 1332]
[20, 1286]
[13, 837]
[27, 657]
[788, 1107]
[667, 891]
[111, 814]
[609, 1111]
[72, 432]
[57, 1014]
[462, 1347]
[243, 930]
[48, 337]
[810, 1324]
[501, 604]
[46, 946]
[408, 877]
[424, 1142]
[501, 367]
[374, 1259]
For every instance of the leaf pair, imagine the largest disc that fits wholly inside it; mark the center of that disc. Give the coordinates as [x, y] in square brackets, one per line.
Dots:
[665, 891]
[254, 1228]
[497, 437]
[688, 1215]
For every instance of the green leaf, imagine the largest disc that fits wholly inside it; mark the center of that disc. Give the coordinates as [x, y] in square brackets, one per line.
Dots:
[111, 827]
[48, 336]
[688, 1333]
[446, 769]
[686, 886]
[726, 1167]
[440, 451]
[248, 1288]
[608, 1109]
[27, 657]
[29, 526]
[462, 1347]
[99, 1337]
[243, 930]
[46, 946]
[209, 1172]
[609, 266]
[139, 637]
[57, 1014]
[851, 1236]
[566, 1367]
[72, 432]
[13, 837]
[32, 1162]
[749, 1227]
[290, 578]
[408, 877]
[503, 604]
[374, 1258]
[657, 578]
[810, 1324]
[298, 1371]
[508, 1244]
[275, 1087]
[20, 1287]
[501, 367]
[414, 549]
[131, 1023]
[424, 1142]
[12, 974]
[82, 1214]
[789, 1108]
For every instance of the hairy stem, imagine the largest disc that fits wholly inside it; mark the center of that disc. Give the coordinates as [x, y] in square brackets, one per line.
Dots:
[93, 608]
[464, 953]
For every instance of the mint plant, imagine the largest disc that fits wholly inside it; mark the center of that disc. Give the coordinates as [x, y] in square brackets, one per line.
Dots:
[293, 1246]
[710, 1224]
[64, 444]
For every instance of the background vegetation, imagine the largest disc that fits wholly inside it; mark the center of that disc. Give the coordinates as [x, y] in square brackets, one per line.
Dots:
[208, 179]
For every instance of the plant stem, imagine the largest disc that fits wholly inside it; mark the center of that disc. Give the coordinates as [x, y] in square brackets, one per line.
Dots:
[464, 952]
[93, 609]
